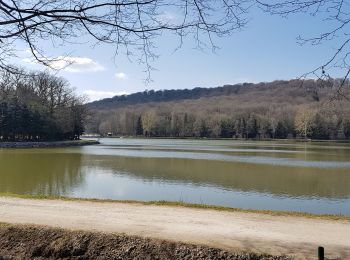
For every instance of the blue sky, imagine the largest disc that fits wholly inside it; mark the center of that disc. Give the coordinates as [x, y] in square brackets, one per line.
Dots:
[265, 50]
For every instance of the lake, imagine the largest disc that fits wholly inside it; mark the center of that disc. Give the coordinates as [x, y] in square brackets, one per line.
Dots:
[285, 175]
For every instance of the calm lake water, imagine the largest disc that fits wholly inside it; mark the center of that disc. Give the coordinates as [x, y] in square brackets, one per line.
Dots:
[307, 177]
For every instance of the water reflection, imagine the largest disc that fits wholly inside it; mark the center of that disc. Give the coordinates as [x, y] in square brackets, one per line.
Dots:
[26, 172]
[280, 181]
[306, 177]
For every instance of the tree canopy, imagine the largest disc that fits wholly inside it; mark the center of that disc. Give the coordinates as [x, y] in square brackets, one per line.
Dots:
[38, 106]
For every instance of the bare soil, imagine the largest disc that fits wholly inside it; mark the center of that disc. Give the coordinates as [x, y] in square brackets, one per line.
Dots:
[29, 242]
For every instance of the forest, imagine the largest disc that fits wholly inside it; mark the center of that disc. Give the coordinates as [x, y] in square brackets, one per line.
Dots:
[280, 109]
[37, 106]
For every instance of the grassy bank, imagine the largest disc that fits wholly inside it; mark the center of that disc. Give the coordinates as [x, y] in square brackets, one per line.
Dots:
[183, 205]
[47, 144]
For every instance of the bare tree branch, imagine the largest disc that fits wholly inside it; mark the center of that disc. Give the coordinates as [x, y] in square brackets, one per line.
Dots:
[133, 25]
[336, 16]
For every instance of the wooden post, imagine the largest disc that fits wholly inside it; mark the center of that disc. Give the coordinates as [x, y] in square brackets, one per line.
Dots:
[320, 253]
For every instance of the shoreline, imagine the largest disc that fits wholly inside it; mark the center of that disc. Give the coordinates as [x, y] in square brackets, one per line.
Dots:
[232, 231]
[47, 144]
[297, 140]
[163, 203]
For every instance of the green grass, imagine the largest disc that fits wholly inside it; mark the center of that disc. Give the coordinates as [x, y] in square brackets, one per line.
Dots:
[183, 205]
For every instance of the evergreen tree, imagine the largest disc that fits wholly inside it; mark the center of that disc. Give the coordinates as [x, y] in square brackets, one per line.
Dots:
[139, 128]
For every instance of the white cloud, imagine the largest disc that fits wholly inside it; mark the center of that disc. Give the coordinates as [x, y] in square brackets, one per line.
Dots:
[72, 64]
[121, 75]
[27, 60]
[165, 17]
[98, 95]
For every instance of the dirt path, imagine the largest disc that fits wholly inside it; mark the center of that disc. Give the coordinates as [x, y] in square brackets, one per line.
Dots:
[255, 232]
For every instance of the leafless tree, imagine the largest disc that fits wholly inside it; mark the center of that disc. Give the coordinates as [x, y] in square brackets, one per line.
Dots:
[336, 17]
[132, 26]
[280, 109]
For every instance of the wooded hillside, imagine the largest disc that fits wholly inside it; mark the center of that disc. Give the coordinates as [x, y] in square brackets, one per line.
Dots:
[278, 109]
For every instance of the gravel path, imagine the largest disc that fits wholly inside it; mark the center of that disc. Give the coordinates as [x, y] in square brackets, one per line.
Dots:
[233, 231]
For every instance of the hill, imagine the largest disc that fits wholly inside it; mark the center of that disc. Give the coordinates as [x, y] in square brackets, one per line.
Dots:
[294, 87]
[278, 109]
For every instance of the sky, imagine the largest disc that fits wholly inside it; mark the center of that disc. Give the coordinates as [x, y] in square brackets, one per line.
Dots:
[265, 50]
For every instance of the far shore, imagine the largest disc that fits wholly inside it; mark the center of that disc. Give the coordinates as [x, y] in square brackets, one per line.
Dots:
[47, 144]
[300, 140]
[234, 231]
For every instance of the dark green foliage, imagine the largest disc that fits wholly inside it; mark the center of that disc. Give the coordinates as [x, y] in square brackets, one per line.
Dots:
[252, 127]
[319, 128]
[346, 128]
[227, 128]
[241, 127]
[201, 129]
[38, 106]
[282, 130]
[139, 129]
